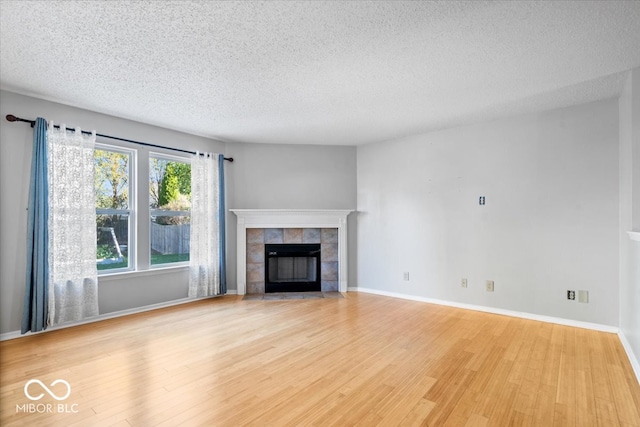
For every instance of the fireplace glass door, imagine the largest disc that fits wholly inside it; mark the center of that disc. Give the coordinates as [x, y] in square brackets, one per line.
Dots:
[292, 267]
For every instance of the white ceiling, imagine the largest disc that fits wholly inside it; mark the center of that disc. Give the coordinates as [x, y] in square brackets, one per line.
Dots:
[316, 72]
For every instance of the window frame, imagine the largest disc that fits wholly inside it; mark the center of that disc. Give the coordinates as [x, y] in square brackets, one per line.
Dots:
[160, 212]
[131, 211]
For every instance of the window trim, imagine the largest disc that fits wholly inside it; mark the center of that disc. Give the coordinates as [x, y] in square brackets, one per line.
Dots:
[159, 212]
[131, 211]
[138, 209]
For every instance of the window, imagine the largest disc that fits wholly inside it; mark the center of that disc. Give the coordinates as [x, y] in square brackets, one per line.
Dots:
[114, 208]
[169, 209]
[119, 207]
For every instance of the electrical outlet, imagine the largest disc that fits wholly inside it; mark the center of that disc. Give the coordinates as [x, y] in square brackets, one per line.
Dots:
[463, 283]
[406, 276]
[583, 296]
[571, 295]
[489, 285]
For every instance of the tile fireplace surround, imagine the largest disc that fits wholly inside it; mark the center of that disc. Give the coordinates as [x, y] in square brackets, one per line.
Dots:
[288, 219]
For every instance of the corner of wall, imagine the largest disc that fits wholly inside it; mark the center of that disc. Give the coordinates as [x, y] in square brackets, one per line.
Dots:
[629, 187]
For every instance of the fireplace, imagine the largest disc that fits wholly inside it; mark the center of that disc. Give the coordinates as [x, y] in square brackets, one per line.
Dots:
[258, 227]
[292, 268]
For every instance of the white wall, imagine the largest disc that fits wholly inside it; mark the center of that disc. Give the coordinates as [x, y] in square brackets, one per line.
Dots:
[550, 222]
[16, 141]
[629, 106]
[271, 176]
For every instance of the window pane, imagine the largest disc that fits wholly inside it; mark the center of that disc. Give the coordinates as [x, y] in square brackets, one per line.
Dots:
[113, 241]
[169, 195]
[169, 239]
[111, 179]
[169, 184]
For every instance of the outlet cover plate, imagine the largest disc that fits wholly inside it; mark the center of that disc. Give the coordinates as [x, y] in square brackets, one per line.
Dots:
[583, 296]
[489, 285]
[571, 295]
[463, 283]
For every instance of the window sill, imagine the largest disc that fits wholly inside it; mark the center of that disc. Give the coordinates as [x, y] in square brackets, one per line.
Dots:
[141, 273]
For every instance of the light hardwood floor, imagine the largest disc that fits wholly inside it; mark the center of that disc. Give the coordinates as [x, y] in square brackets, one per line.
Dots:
[362, 360]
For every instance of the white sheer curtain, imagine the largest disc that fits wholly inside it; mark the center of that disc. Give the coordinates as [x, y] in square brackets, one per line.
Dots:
[73, 277]
[204, 274]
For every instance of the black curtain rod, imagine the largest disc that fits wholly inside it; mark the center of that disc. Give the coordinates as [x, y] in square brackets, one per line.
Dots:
[12, 118]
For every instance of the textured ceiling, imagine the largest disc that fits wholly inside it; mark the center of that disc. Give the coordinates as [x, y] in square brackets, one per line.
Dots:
[316, 72]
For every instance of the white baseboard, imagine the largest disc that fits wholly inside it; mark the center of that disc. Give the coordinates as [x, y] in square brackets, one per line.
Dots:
[635, 365]
[632, 357]
[17, 334]
[10, 335]
[493, 310]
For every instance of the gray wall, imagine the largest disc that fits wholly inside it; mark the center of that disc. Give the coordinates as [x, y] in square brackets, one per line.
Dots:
[263, 176]
[115, 293]
[270, 176]
[630, 211]
[550, 222]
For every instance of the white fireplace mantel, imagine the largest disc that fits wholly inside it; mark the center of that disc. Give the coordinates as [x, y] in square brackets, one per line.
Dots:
[291, 218]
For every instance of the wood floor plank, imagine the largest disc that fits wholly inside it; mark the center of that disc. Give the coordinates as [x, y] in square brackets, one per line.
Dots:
[362, 360]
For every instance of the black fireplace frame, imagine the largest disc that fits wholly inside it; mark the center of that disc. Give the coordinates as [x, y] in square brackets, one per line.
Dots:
[307, 250]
